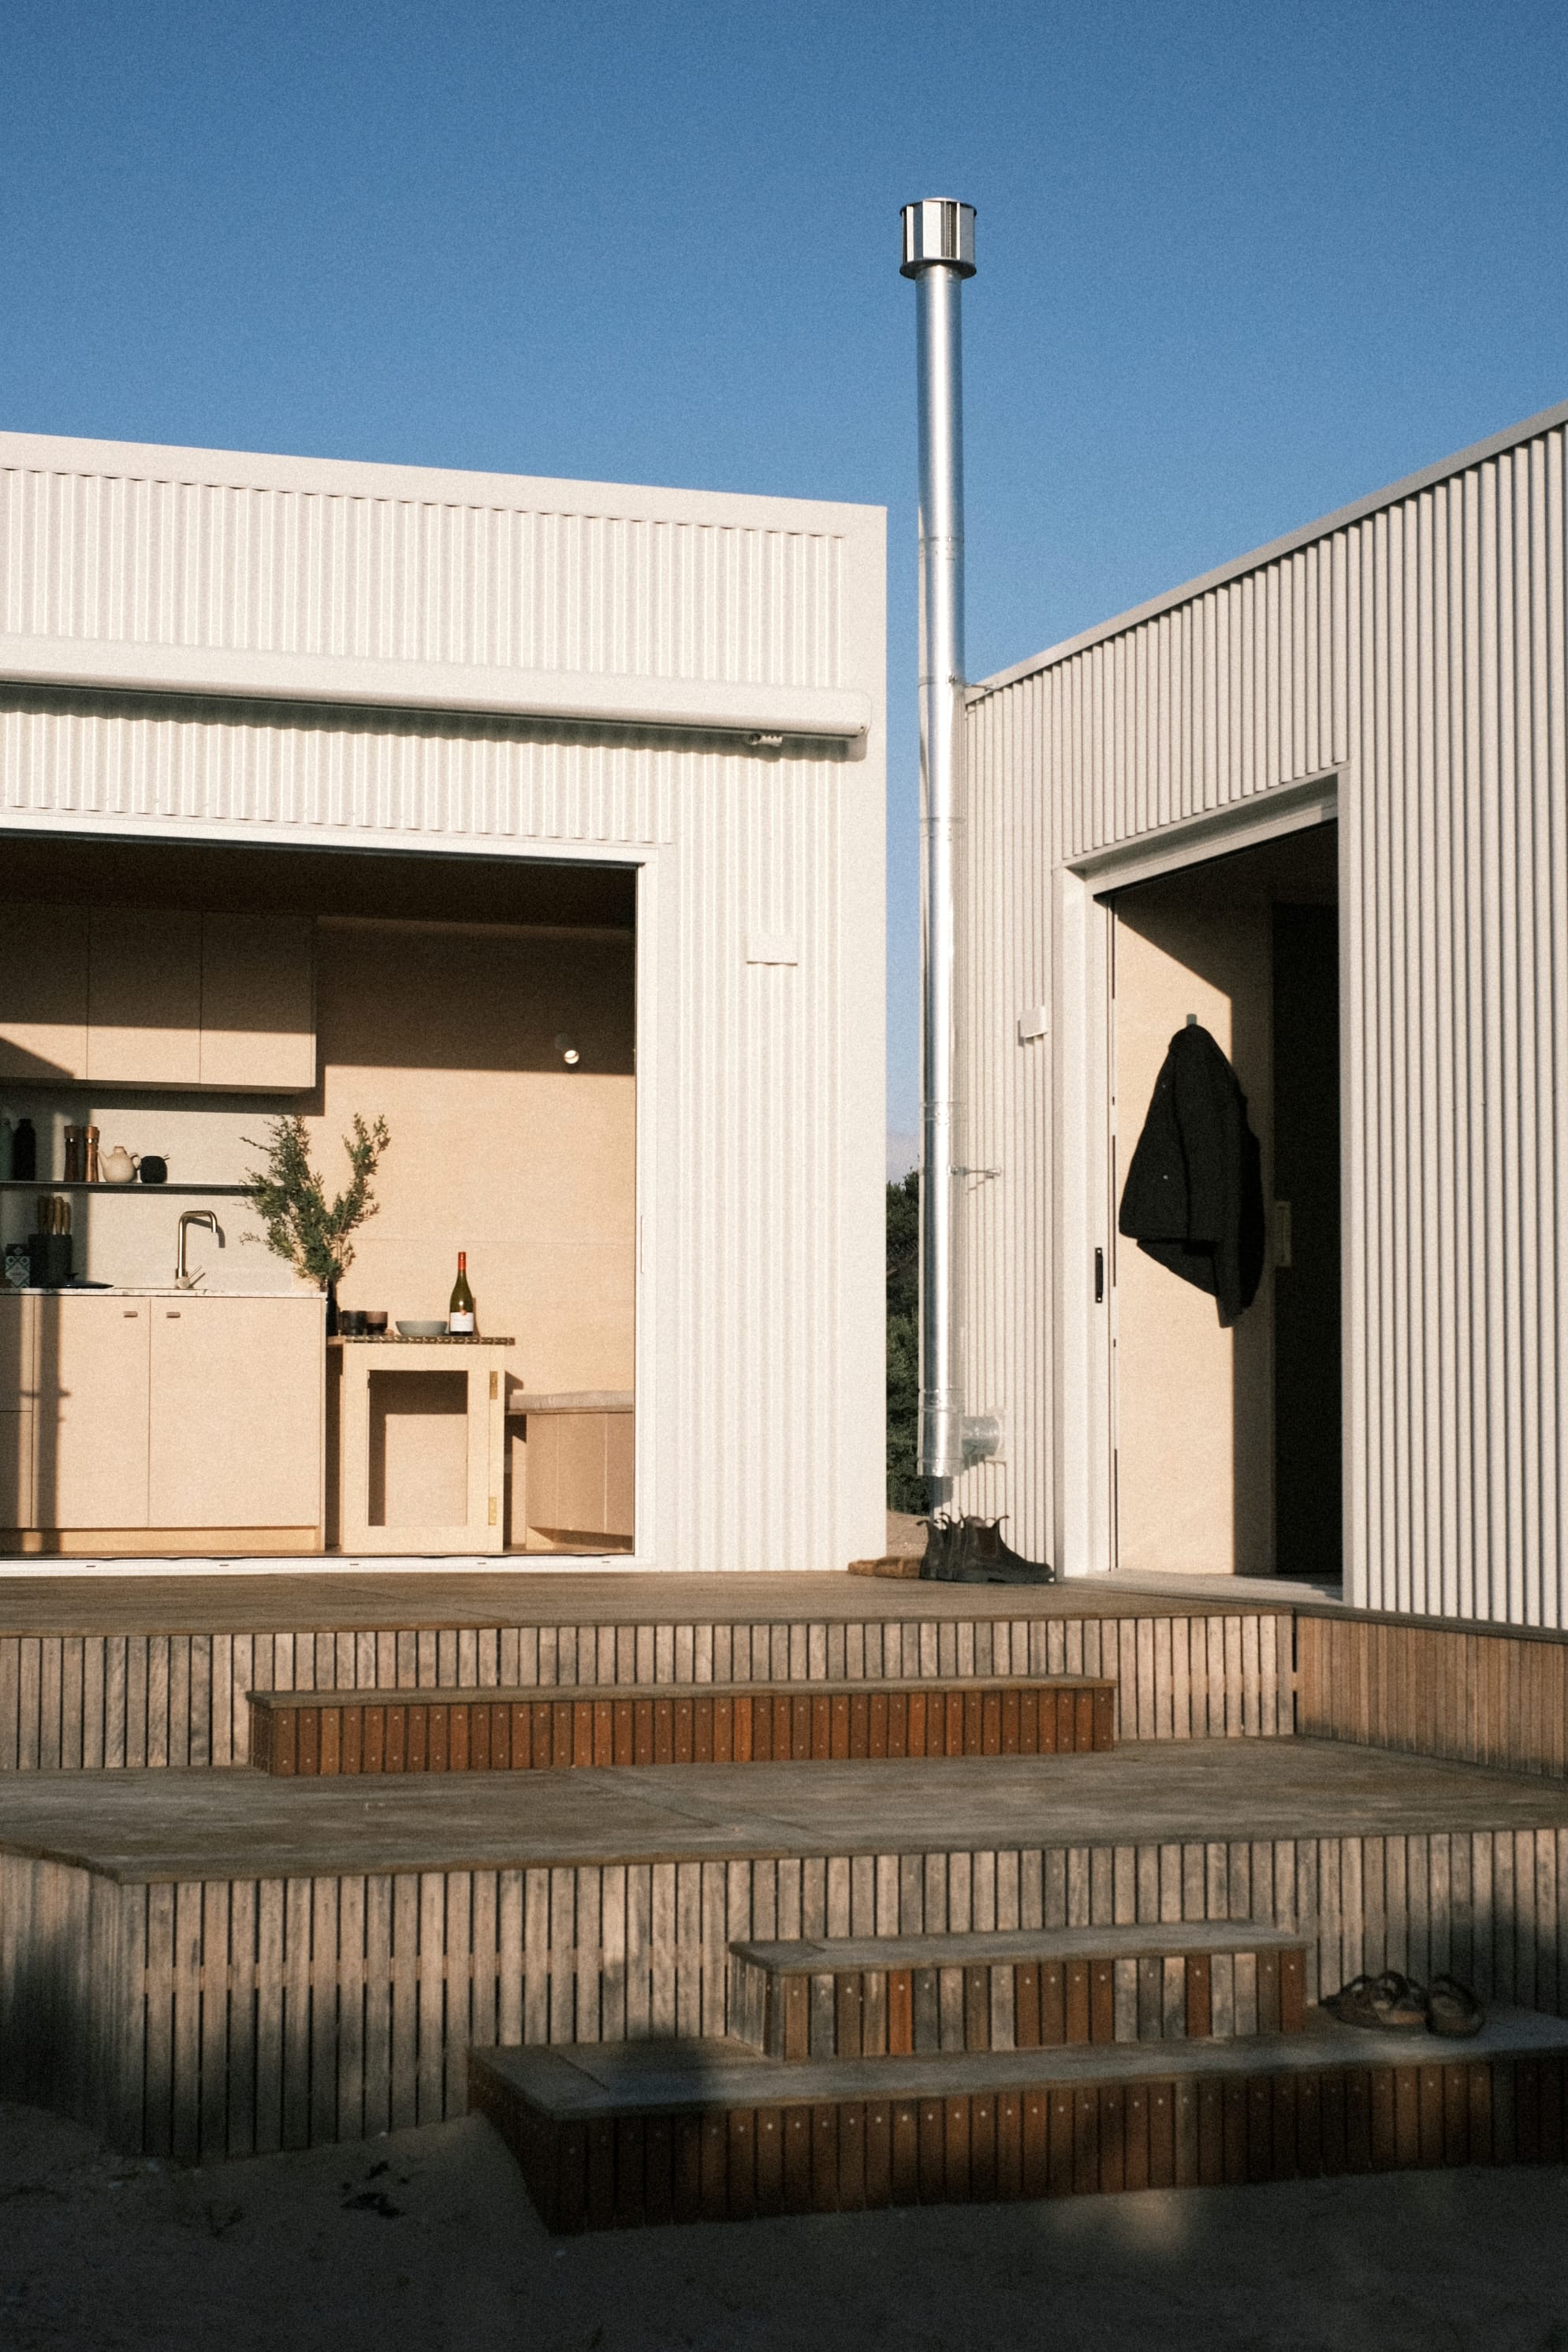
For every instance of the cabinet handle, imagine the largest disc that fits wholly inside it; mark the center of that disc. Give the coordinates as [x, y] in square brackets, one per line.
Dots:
[171, 1314]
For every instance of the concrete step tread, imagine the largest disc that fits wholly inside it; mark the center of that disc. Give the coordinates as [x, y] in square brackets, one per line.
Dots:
[585, 2083]
[1172, 1940]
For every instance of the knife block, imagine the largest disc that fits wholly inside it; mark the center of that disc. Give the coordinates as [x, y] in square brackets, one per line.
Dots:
[49, 1260]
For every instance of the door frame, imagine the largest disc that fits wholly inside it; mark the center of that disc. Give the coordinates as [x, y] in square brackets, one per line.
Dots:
[1087, 1168]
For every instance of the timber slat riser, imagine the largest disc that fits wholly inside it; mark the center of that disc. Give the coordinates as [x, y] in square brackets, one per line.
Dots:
[1479, 1696]
[1019, 2005]
[206, 2018]
[512, 1732]
[110, 1701]
[1047, 2140]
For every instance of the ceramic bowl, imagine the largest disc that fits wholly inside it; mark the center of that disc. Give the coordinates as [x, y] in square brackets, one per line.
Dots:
[422, 1330]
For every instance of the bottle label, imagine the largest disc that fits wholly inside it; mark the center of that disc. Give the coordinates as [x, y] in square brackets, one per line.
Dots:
[461, 1326]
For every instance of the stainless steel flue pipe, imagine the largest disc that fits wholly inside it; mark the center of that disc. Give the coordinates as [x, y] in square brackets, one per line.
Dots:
[940, 253]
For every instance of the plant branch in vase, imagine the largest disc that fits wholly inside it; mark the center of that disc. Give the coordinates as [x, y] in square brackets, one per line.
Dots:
[290, 1199]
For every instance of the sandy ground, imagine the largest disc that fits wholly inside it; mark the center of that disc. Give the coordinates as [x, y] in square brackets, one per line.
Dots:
[425, 2238]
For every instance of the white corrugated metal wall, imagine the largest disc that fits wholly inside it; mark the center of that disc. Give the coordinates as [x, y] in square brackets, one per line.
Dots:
[1414, 646]
[760, 1384]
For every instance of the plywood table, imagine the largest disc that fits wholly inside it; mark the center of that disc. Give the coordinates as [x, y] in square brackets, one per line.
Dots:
[443, 1491]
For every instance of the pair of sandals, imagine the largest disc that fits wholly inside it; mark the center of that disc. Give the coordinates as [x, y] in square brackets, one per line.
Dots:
[1393, 2004]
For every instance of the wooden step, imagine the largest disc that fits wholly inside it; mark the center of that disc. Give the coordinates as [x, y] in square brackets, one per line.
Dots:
[614, 2135]
[311, 1734]
[891, 1996]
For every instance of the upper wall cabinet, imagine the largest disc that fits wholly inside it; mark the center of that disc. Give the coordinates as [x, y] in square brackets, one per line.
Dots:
[144, 997]
[153, 996]
[43, 992]
[258, 1000]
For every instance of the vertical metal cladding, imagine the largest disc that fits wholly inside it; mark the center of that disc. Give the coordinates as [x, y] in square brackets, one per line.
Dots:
[454, 779]
[1416, 645]
[150, 546]
[760, 1381]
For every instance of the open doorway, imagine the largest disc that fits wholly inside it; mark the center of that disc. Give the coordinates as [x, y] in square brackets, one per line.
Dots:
[1226, 1442]
[170, 1385]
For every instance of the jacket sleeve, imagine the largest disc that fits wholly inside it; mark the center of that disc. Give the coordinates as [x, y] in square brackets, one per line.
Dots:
[1153, 1198]
[1200, 1107]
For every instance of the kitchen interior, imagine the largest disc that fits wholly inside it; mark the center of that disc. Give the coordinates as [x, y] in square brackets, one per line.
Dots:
[169, 1385]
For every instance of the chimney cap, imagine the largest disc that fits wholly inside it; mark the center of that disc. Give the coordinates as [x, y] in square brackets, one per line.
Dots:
[938, 230]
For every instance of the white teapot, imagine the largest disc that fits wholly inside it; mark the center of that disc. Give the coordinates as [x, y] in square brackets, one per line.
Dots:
[118, 1166]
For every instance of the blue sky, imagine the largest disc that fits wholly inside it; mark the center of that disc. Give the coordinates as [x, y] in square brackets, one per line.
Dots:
[1239, 264]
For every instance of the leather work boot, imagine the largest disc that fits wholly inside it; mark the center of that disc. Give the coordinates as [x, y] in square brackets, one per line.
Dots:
[972, 1552]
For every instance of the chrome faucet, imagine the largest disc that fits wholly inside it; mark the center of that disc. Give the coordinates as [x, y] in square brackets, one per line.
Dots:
[189, 1217]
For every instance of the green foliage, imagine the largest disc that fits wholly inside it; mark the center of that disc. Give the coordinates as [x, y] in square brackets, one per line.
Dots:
[291, 1200]
[906, 1487]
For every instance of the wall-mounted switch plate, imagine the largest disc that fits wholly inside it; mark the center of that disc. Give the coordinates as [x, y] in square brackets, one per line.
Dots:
[1035, 1023]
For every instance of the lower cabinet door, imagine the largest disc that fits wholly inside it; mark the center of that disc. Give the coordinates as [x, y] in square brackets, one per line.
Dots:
[235, 1412]
[90, 1443]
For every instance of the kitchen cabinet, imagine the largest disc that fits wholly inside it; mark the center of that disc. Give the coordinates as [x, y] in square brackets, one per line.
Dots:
[234, 1438]
[43, 992]
[18, 1379]
[162, 1422]
[91, 1450]
[157, 996]
[145, 996]
[259, 1010]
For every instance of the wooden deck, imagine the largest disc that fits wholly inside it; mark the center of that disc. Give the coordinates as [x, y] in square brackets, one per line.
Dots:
[353, 1599]
[210, 1962]
[149, 1828]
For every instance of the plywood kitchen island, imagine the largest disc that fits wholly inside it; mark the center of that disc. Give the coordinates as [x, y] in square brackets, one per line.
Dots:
[439, 1489]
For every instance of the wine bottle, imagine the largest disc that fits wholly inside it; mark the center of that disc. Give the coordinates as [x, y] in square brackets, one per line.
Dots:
[460, 1314]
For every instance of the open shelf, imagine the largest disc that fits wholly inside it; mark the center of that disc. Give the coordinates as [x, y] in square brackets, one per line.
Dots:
[140, 1191]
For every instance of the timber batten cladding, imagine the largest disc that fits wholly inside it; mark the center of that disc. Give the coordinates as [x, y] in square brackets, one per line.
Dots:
[579, 1728]
[1406, 660]
[169, 1688]
[742, 2144]
[211, 1961]
[241, 2008]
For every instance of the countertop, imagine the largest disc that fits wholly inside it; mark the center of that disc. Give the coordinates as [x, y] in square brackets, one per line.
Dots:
[434, 1339]
[159, 1290]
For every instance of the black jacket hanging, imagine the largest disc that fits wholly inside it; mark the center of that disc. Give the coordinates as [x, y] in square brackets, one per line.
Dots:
[1194, 1195]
